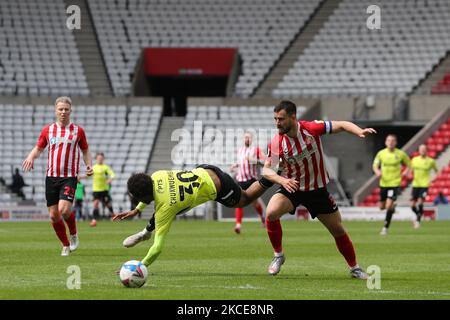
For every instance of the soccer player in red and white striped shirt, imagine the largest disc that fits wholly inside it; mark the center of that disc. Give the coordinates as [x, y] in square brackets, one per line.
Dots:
[64, 140]
[303, 180]
[249, 157]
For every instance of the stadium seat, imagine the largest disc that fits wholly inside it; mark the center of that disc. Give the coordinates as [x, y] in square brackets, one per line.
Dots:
[346, 58]
[39, 54]
[253, 26]
[122, 159]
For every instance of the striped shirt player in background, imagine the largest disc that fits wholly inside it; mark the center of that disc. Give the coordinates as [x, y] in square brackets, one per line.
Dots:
[303, 180]
[249, 157]
[63, 139]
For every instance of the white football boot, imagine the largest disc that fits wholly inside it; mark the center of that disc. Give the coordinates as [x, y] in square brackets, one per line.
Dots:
[74, 242]
[134, 239]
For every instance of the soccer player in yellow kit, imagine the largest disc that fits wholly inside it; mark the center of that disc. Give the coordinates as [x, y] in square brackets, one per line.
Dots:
[101, 181]
[421, 166]
[388, 166]
[175, 192]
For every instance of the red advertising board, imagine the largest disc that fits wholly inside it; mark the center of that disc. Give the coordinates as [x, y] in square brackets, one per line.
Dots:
[163, 62]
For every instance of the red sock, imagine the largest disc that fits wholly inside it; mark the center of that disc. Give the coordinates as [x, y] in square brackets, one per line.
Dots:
[259, 208]
[345, 247]
[71, 223]
[239, 213]
[275, 234]
[60, 229]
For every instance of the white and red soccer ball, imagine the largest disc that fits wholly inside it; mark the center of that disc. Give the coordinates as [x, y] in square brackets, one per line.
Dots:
[133, 274]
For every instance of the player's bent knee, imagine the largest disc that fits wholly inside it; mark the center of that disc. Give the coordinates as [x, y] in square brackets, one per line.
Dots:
[272, 215]
[54, 218]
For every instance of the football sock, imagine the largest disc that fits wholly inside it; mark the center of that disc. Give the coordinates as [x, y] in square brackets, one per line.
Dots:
[259, 208]
[345, 247]
[71, 223]
[415, 210]
[275, 234]
[239, 212]
[387, 221]
[420, 213]
[96, 213]
[60, 229]
[151, 224]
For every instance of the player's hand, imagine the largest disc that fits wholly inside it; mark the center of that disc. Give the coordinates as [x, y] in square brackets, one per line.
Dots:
[365, 132]
[378, 173]
[124, 215]
[27, 164]
[89, 171]
[291, 185]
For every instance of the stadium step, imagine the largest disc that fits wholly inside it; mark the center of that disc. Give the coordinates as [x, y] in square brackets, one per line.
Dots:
[90, 53]
[431, 79]
[299, 44]
[161, 154]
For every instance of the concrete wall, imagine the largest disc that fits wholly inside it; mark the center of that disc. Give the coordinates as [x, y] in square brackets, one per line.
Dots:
[426, 107]
[152, 101]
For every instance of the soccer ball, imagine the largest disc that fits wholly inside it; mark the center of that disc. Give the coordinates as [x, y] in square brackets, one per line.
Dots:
[133, 274]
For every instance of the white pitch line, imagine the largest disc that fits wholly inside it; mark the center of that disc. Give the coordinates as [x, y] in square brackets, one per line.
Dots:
[250, 287]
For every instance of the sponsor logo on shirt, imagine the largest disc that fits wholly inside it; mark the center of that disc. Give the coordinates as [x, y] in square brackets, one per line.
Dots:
[56, 140]
[159, 187]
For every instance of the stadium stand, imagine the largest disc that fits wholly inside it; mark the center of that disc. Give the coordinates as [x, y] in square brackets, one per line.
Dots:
[231, 123]
[443, 86]
[261, 29]
[125, 135]
[38, 53]
[347, 58]
[437, 143]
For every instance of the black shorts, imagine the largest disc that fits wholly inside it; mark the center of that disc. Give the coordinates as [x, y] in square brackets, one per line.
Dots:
[59, 189]
[419, 193]
[230, 191]
[388, 193]
[317, 201]
[246, 184]
[103, 196]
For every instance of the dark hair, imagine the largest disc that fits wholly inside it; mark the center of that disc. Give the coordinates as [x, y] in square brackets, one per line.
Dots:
[99, 154]
[392, 135]
[140, 185]
[287, 106]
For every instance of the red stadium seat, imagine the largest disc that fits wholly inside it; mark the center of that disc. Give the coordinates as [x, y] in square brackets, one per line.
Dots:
[432, 154]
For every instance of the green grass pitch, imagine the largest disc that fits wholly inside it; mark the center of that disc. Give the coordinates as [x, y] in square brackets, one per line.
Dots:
[206, 260]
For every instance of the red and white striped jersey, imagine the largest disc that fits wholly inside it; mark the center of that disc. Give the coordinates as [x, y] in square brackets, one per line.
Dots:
[302, 156]
[63, 149]
[248, 158]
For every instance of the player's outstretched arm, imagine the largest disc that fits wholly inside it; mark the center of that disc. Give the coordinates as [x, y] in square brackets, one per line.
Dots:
[350, 127]
[126, 214]
[269, 173]
[88, 161]
[28, 163]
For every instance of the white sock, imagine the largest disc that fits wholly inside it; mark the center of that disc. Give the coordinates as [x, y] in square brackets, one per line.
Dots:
[238, 225]
[356, 266]
[278, 254]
